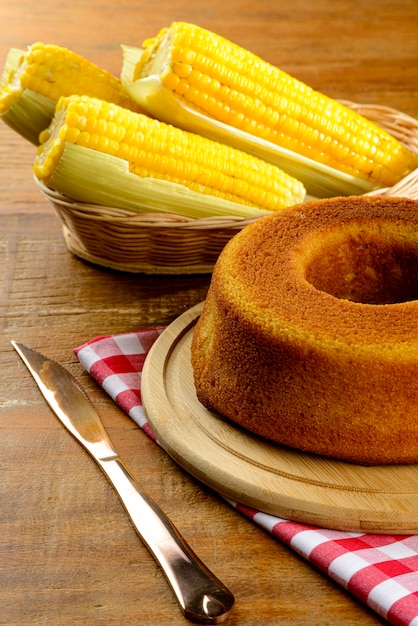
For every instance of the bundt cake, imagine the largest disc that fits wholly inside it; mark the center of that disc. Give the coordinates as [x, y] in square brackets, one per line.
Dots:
[309, 333]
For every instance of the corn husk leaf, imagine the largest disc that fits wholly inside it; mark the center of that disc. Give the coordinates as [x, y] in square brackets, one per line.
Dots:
[86, 175]
[320, 180]
[12, 62]
[29, 115]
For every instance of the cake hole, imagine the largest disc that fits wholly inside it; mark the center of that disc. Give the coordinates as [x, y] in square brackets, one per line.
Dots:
[369, 268]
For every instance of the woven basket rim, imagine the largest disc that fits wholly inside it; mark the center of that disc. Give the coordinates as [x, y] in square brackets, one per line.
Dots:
[407, 188]
[98, 212]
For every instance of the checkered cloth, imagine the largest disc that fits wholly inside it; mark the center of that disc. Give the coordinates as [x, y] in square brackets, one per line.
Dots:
[379, 570]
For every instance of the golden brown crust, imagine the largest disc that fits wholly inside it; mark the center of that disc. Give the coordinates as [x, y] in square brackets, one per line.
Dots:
[281, 350]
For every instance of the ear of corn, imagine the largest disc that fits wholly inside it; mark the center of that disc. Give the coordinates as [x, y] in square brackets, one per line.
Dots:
[200, 81]
[28, 113]
[33, 80]
[98, 152]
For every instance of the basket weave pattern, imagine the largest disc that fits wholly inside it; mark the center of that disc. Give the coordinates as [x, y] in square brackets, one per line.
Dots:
[173, 244]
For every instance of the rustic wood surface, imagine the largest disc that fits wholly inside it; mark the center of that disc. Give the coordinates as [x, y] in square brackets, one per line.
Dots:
[68, 552]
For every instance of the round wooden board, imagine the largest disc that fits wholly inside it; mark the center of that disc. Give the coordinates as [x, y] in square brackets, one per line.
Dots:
[259, 473]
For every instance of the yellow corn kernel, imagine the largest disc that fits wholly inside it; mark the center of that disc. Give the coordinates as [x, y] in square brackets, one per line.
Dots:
[160, 151]
[229, 85]
[37, 78]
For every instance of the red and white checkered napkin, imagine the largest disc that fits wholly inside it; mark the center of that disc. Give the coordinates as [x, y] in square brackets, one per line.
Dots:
[380, 570]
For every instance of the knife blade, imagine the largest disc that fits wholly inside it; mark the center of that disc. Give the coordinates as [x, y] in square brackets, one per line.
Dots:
[202, 597]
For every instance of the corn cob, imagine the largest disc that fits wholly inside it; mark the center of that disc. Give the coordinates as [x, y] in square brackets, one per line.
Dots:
[33, 80]
[200, 81]
[98, 152]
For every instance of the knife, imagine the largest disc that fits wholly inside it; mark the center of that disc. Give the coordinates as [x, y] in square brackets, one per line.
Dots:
[202, 597]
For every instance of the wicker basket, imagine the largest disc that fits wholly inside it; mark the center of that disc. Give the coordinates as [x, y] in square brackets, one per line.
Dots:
[172, 244]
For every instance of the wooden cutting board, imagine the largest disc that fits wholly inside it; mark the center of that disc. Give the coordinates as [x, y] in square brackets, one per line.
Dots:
[262, 474]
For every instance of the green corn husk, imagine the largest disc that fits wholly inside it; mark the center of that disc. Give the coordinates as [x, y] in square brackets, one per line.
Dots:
[89, 176]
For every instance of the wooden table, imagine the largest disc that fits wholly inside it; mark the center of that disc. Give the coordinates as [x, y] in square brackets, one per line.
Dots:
[68, 552]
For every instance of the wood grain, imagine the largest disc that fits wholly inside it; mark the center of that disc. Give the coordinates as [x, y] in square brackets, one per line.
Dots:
[68, 553]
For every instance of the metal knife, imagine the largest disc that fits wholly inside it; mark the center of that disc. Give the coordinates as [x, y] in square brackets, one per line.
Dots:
[202, 597]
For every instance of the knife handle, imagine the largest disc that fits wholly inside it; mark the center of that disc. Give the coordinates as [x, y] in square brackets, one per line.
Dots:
[202, 597]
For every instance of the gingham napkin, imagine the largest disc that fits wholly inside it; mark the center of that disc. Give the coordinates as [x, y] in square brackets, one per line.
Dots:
[380, 570]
